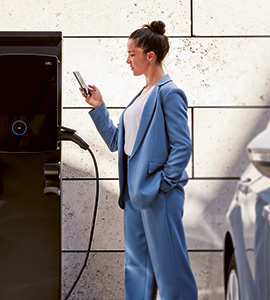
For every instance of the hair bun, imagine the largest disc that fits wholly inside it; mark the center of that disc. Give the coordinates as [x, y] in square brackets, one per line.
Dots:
[158, 27]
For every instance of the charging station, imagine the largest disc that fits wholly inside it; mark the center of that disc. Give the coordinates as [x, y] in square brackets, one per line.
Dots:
[30, 156]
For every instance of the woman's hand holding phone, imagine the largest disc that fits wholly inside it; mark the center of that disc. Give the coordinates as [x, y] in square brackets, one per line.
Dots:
[94, 98]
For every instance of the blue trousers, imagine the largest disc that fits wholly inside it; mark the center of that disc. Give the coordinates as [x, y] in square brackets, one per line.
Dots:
[155, 250]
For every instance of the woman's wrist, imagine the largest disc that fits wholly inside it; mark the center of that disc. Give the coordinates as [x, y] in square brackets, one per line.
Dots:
[98, 104]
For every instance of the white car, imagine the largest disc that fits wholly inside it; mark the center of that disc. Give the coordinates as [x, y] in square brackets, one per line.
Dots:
[247, 238]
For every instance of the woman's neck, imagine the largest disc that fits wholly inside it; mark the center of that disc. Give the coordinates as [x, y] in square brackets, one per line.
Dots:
[154, 75]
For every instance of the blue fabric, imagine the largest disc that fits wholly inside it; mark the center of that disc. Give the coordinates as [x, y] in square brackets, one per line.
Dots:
[151, 193]
[162, 147]
[156, 252]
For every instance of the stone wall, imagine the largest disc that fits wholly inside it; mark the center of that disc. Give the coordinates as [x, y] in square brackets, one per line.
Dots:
[219, 56]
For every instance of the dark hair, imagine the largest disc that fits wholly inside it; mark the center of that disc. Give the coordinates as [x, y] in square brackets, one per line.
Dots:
[152, 38]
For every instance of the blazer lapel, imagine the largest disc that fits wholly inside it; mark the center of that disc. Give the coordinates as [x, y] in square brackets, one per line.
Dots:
[147, 114]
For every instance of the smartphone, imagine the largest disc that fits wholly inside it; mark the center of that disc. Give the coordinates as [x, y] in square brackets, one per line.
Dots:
[82, 83]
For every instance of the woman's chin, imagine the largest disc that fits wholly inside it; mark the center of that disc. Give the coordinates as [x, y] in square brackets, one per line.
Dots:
[136, 73]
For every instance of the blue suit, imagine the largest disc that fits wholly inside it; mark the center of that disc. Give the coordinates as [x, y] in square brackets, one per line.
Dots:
[152, 195]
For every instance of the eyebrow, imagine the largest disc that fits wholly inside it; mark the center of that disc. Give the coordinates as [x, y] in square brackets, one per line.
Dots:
[130, 51]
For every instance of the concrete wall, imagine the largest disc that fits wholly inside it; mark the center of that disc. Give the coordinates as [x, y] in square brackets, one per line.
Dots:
[219, 56]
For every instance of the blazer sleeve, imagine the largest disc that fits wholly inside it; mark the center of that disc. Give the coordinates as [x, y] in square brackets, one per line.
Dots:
[105, 126]
[175, 109]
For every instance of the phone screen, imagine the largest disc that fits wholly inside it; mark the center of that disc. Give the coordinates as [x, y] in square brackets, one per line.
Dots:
[82, 83]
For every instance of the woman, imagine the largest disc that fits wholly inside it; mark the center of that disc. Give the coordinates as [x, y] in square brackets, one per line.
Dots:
[154, 148]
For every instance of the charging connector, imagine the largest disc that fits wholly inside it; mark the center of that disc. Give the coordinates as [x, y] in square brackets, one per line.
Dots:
[68, 134]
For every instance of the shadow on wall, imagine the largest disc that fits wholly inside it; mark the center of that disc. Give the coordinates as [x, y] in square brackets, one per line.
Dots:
[103, 275]
[217, 167]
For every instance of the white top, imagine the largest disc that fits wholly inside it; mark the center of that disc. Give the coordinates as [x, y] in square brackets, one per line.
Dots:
[132, 119]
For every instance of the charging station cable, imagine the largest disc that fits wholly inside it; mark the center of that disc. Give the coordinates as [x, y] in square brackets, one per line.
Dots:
[67, 134]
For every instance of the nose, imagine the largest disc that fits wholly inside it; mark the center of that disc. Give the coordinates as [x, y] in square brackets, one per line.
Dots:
[128, 60]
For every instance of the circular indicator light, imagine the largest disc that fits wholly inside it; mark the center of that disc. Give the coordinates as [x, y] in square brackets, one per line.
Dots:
[19, 127]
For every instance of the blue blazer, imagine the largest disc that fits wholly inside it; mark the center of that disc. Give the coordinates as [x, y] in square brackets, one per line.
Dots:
[162, 147]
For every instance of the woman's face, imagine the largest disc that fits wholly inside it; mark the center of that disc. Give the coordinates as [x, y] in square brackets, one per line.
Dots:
[137, 59]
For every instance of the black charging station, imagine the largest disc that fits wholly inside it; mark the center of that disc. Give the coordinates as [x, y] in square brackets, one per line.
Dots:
[30, 156]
